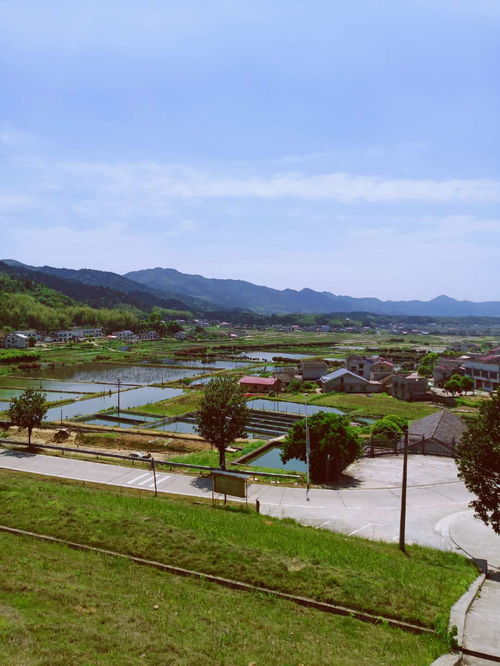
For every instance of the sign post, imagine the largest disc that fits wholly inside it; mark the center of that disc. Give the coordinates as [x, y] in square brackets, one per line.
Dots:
[229, 483]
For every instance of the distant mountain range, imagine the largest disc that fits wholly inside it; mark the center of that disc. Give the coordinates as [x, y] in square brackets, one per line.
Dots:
[171, 289]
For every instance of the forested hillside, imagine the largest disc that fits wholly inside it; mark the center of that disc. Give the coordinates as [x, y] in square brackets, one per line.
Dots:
[29, 304]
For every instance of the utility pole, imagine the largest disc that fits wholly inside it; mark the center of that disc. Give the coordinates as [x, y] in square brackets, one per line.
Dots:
[402, 521]
[153, 466]
[308, 450]
[118, 398]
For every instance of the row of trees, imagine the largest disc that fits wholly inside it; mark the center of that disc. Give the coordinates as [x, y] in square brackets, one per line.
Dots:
[459, 384]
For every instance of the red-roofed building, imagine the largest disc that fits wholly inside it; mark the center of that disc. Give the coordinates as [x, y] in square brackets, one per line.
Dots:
[260, 384]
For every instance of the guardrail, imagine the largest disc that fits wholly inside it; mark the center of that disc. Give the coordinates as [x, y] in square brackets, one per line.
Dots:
[167, 463]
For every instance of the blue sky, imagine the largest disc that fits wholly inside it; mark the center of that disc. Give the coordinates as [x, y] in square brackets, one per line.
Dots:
[349, 147]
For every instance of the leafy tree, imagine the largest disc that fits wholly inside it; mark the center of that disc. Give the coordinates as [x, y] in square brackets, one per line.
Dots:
[223, 414]
[386, 429]
[402, 421]
[172, 327]
[334, 445]
[28, 410]
[453, 386]
[479, 461]
[425, 370]
[467, 383]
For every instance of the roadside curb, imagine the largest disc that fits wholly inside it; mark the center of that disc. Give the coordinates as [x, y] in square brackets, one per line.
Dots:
[458, 614]
[232, 584]
[448, 660]
[460, 609]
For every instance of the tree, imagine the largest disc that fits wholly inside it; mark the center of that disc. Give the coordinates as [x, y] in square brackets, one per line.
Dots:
[334, 445]
[479, 461]
[386, 428]
[28, 410]
[453, 386]
[223, 414]
[467, 383]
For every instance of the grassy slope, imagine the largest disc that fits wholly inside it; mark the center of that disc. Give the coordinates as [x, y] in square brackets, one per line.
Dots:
[279, 554]
[59, 607]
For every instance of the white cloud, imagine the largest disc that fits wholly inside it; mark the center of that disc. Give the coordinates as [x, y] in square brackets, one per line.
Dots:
[163, 182]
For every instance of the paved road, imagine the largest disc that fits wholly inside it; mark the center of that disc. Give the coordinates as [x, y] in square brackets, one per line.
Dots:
[367, 505]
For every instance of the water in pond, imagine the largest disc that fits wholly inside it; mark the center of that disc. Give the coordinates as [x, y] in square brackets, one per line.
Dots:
[107, 372]
[52, 385]
[211, 364]
[51, 396]
[4, 406]
[272, 460]
[189, 428]
[112, 424]
[290, 407]
[177, 426]
[268, 356]
[128, 399]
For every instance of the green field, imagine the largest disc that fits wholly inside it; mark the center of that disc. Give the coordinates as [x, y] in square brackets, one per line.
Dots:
[60, 607]
[359, 404]
[235, 543]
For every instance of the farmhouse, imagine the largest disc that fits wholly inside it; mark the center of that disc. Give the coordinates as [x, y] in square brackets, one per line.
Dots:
[348, 382]
[260, 384]
[16, 341]
[409, 387]
[313, 369]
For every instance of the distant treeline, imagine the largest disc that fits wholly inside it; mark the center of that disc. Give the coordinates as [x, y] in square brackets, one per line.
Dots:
[346, 319]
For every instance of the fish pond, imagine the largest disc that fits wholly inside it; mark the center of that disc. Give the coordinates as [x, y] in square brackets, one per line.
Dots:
[128, 399]
[271, 458]
[109, 373]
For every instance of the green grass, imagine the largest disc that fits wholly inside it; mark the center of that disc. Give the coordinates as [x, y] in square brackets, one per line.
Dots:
[358, 404]
[59, 607]
[182, 404]
[211, 459]
[278, 554]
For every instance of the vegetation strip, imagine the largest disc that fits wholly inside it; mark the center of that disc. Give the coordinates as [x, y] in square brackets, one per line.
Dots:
[233, 584]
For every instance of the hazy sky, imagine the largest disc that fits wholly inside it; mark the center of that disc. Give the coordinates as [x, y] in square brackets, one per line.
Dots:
[345, 146]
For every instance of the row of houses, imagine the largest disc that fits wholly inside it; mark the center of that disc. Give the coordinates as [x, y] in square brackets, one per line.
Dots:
[483, 369]
[26, 338]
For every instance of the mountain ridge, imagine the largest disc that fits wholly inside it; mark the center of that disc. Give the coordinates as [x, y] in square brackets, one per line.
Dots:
[170, 288]
[246, 295]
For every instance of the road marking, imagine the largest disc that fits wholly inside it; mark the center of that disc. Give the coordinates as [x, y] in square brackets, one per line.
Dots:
[318, 527]
[158, 481]
[149, 478]
[141, 476]
[359, 529]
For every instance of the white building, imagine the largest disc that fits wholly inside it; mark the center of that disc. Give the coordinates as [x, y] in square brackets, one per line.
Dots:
[77, 334]
[16, 341]
[125, 335]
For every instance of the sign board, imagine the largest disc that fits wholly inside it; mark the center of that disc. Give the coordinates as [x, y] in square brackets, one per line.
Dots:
[229, 483]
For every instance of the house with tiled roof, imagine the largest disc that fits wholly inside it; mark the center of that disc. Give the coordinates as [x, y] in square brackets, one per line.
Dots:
[252, 384]
[442, 427]
[345, 381]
